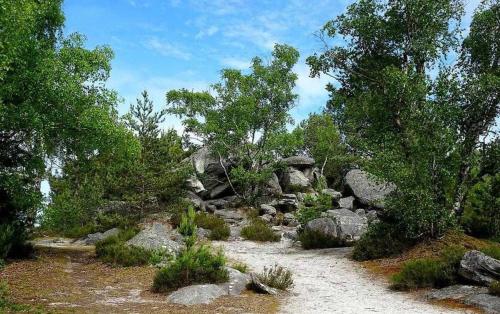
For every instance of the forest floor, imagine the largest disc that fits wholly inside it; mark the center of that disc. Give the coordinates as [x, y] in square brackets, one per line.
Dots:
[62, 280]
[69, 279]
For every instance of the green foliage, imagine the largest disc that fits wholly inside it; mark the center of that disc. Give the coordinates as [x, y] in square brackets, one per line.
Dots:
[481, 217]
[245, 118]
[494, 288]
[312, 207]
[422, 273]
[241, 267]
[116, 252]
[6, 234]
[323, 142]
[176, 210]
[187, 226]
[310, 239]
[259, 230]
[276, 277]
[418, 131]
[192, 266]
[381, 240]
[430, 273]
[219, 230]
[492, 250]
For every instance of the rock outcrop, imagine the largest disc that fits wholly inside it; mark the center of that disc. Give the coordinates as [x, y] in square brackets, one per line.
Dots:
[157, 236]
[93, 238]
[366, 190]
[196, 294]
[479, 268]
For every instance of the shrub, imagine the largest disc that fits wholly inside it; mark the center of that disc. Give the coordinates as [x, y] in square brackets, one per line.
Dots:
[6, 235]
[492, 250]
[115, 251]
[176, 210]
[276, 277]
[192, 266]
[312, 207]
[422, 273]
[241, 267]
[219, 230]
[157, 257]
[317, 240]
[381, 240]
[259, 230]
[494, 288]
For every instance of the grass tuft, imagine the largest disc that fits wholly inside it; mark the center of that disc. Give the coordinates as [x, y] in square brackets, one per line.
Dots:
[259, 230]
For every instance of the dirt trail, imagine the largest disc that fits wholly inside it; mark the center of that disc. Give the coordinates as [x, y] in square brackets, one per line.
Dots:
[327, 281]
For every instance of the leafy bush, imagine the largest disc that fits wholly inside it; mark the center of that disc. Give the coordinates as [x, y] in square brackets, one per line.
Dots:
[312, 207]
[192, 266]
[317, 240]
[381, 240]
[481, 216]
[276, 277]
[219, 230]
[241, 267]
[422, 273]
[259, 230]
[494, 288]
[115, 251]
[492, 250]
[436, 273]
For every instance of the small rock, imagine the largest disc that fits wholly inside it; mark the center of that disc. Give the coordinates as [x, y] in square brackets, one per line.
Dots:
[196, 294]
[347, 202]
[331, 192]
[290, 220]
[372, 216]
[267, 218]
[195, 185]
[93, 238]
[258, 286]
[361, 212]
[202, 233]
[230, 216]
[268, 209]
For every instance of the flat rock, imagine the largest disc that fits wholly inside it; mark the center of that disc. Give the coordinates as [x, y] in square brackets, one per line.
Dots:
[157, 236]
[196, 294]
[299, 161]
[368, 191]
[490, 304]
[455, 292]
[229, 215]
[479, 268]
[267, 209]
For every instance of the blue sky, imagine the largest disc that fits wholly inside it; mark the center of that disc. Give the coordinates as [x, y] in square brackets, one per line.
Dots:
[168, 44]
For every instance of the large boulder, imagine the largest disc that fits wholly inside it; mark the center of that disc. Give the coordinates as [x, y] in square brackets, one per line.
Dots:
[237, 283]
[93, 238]
[195, 200]
[368, 191]
[157, 236]
[347, 202]
[479, 268]
[294, 180]
[273, 186]
[300, 162]
[340, 224]
[196, 294]
[210, 172]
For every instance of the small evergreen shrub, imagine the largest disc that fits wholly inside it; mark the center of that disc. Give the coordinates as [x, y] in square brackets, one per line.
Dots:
[381, 240]
[276, 277]
[259, 230]
[219, 230]
[192, 266]
[422, 273]
[494, 288]
[312, 207]
[317, 240]
[176, 210]
[116, 252]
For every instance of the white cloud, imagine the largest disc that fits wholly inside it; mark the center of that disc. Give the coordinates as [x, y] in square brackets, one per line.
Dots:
[259, 37]
[212, 30]
[167, 49]
[236, 63]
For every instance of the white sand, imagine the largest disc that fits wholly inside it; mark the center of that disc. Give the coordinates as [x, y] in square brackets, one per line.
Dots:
[327, 281]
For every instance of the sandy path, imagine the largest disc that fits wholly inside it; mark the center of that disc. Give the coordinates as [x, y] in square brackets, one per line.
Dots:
[327, 281]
